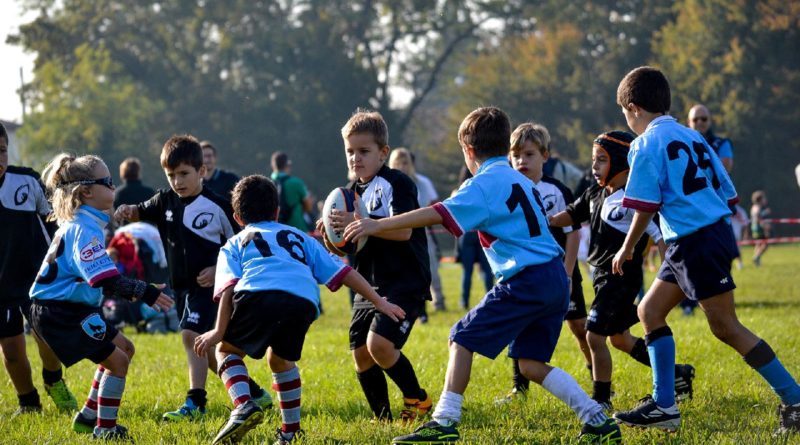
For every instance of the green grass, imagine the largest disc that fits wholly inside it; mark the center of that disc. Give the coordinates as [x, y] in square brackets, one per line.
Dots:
[732, 404]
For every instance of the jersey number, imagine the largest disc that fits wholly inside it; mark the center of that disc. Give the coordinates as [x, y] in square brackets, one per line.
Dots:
[290, 241]
[50, 271]
[691, 183]
[518, 198]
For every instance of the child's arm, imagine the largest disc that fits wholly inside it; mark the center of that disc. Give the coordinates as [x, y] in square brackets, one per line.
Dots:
[662, 249]
[571, 251]
[127, 212]
[343, 219]
[640, 221]
[423, 217]
[561, 219]
[205, 342]
[355, 281]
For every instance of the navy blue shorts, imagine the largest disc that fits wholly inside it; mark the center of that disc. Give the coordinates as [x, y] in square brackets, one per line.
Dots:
[524, 313]
[613, 309]
[700, 263]
[11, 318]
[197, 309]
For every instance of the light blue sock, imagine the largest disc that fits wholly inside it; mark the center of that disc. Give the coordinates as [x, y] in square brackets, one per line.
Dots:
[662, 359]
[781, 381]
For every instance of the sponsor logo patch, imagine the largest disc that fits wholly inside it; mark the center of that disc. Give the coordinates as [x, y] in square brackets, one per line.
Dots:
[92, 251]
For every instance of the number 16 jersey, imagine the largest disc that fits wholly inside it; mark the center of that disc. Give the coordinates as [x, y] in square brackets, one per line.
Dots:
[674, 172]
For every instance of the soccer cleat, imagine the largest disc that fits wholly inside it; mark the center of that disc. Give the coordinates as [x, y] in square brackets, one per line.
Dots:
[119, 432]
[243, 418]
[649, 415]
[606, 434]
[62, 397]
[264, 400]
[790, 419]
[82, 424]
[282, 438]
[27, 409]
[606, 405]
[516, 394]
[684, 374]
[187, 412]
[415, 408]
[429, 433]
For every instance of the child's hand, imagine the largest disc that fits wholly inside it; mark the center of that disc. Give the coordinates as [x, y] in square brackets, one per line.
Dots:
[340, 219]
[360, 228]
[206, 276]
[619, 260]
[163, 303]
[203, 343]
[327, 243]
[391, 310]
[124, 212]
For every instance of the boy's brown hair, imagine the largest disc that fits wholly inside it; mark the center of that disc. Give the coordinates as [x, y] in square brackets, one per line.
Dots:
[255, 199]
[530, 132]
[129, 169]
[369, 122]
[646, 87]
[487, 130]
[183, 149]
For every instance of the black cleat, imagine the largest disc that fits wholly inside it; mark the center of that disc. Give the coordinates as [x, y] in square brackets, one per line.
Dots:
[684, 374]
[429, 433]
[118, 433]
[243, 418]
[649, 415]
[790, 419]
[282, 438]
[606, 434]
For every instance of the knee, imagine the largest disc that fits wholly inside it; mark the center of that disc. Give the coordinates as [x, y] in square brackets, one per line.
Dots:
[362, 359]
[618, 342]
[118, 365]
[128, 348]
[533, 370]
[381, 350]
[722, 327]
[596, 341]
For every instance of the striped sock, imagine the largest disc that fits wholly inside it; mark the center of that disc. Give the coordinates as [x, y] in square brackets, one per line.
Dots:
[108, 398]
[233, 373]
[287, 385]
[89, 409]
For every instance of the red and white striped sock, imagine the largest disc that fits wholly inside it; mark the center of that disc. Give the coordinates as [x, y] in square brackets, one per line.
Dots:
[89, 409]
[233, 373]
[109, 396]
[287, 385]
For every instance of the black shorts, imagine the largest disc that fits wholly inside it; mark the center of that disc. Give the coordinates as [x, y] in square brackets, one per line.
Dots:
[700, 263]
[270, 319]
[577, 303]
[613, 309]
[366, 318]
[73, 331]
[11, 323]
[196, 308]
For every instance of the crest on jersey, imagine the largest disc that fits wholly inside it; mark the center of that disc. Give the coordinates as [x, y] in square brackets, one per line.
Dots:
[617, 213]
[92, 251]
[94, 327]
[549, 202]
[202, 220]
[21, 195]
[377, 200]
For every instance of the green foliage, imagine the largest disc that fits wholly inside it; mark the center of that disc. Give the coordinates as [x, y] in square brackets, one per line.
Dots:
[732, 404]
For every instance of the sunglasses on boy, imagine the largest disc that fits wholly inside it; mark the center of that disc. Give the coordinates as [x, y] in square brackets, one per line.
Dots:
[107, 181]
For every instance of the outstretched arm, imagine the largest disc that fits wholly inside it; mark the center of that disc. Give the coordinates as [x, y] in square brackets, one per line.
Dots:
[423, 217]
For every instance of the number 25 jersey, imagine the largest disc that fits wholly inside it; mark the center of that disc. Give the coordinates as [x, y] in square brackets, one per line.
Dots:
[674, 172]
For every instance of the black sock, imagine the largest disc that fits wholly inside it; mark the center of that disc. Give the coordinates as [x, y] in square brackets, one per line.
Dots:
[520, 381]
[591, 373]
[197, 396]
[52, 377]
[29, 399]
[373, 382]
[639, 352]
[602, 391]
[255, 389]
[402, 373]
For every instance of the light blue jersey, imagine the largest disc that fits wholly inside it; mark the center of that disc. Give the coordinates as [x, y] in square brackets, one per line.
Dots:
[504, 207]
[271, 256]
[76, 261]
[675, 172]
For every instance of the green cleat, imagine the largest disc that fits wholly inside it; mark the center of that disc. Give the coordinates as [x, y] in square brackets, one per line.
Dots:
[430, 433]
[188, 412]
[606, 434]
[264, 400]
[62, 397]
[82, 424]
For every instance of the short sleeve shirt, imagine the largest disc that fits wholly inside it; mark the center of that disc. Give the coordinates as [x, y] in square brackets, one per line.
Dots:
[675, 172]
[426, 192]
[555, 197]
[272, 256]
[506, 210]
[76, 261]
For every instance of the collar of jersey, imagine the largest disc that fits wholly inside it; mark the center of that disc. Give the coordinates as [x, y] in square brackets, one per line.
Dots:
[658, 120]
[101, 218]
[489, 162]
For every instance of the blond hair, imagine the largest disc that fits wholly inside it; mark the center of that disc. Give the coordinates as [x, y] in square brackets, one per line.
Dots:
[59, 177]
[530, 132]
[403, 153]
[368, 122]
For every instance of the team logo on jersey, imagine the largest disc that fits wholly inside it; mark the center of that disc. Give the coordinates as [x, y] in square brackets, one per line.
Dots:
[94, 327]
[92, 251]
[549, 202]
[617, 213]
[168, 215]
[21, 195]
[377, 200]
[202, 220]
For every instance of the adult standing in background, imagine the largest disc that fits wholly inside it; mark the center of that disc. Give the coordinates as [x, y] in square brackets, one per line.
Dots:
[293, 197]
[700, 121]
[132, 191]
[219, 181]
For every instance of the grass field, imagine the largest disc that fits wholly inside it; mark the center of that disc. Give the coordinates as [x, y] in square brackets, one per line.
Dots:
[732, 404]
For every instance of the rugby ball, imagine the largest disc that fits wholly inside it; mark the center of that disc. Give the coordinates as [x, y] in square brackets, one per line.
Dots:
[343, 199]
